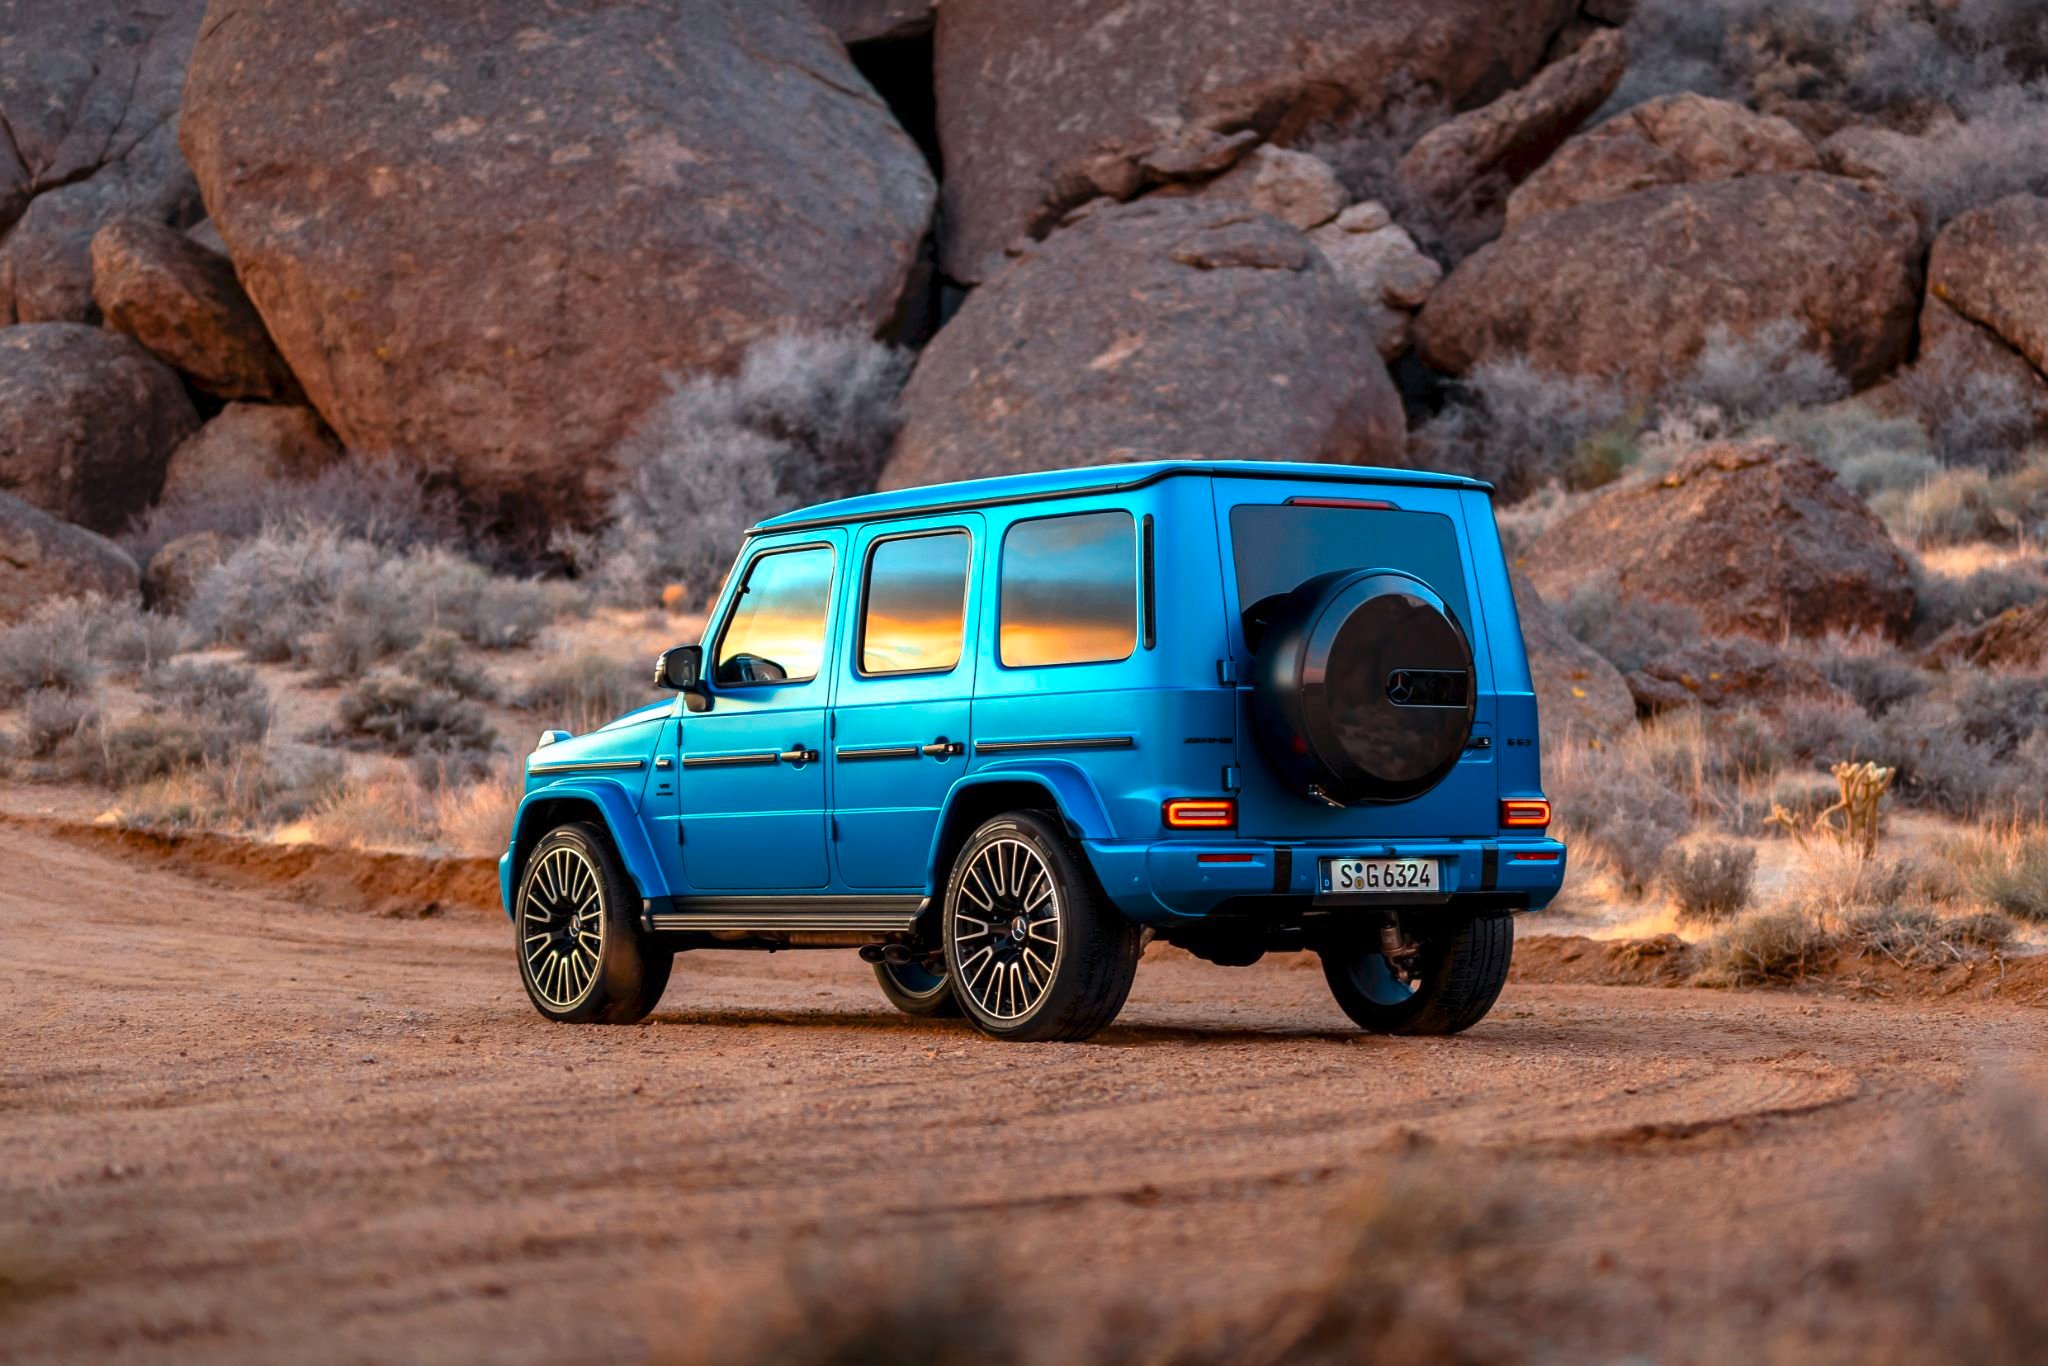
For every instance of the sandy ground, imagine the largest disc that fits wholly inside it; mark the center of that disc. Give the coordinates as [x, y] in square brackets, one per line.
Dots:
[238, 1128]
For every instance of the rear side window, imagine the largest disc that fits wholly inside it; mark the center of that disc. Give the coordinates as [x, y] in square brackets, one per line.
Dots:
[1069, 590]
[776, 632]
[1277, 546]
[914, 613]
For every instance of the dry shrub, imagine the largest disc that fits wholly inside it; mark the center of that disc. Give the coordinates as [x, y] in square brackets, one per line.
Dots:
[808, 417]
[1963, 505]
[1870, 453]
[47, 652]
[250, 788]
[1977, 418]
[404, 716]
[51, 717]
[231, 696]
[364, 498]
[1740, 378]
[1628, 631]
[386, 810]
[475, 819]
[441, 660]
[1764, 948]
[1917, 936]
[2008, 869]
[583, 689]
[1609, 799]
[1520, 427]
[1942, 601]
[1710, 882]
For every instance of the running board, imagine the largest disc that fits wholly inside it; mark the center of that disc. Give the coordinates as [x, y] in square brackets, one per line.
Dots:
[868, 914]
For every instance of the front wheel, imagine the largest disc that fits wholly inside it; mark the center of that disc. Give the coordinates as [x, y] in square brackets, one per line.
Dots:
[1445, 984]
[581, 956]
[1034, 949]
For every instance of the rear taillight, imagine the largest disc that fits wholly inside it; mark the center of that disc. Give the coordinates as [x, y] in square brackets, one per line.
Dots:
[1525, 813]
[1374, 504]
[1199, 813]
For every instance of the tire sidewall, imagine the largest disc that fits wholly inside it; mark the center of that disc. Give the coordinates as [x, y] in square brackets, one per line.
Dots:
[938, 1002]
[1448, 1000]
[1070, 886]
[624, 965]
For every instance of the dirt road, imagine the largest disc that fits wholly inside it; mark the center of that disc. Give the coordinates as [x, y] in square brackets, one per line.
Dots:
[233, 1128]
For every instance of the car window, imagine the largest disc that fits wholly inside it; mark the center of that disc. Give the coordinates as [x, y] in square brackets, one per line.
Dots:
[1069, 590]
[914, 612]
[775, 632]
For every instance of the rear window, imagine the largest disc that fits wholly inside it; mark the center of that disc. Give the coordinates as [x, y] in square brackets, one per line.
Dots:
[1069, 590]
[1276, 546]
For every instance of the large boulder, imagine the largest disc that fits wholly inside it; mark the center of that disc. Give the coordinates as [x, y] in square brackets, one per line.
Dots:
[87, 421]
[1580, 697]
[248, 446]
[1461, 172]
[1042, 107]
[1672, 140]
[89, 95]
[1991, 266]
[183, 302]
[490, 239]
[1631, 289]
[1166, 326]
[1755, 537]
[2015, 639]
[43, 558]
[1294, 187]
[1379, 260]
[172, 577]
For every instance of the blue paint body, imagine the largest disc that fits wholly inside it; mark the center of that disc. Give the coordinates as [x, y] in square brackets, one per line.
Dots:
[1176, 712]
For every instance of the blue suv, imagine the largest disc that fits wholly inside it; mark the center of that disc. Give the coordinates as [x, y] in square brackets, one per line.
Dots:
[997, 734]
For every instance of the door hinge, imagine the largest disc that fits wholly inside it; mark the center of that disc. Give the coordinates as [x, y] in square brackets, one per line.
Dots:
[833, 821]
[1226, 671]
[679, 832]
[832, 725]
[1232, 779]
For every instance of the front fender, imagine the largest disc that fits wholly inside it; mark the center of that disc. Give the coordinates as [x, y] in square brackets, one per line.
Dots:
[602, 800]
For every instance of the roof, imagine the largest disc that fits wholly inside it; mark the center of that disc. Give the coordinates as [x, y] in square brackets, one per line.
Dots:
[1021, 488]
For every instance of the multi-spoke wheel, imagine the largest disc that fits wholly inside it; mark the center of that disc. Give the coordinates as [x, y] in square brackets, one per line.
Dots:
[580, 955]
[1444, 983]
[1033, 948]
[921, 989]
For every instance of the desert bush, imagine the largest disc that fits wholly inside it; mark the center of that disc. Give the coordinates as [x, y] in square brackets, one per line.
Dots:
[388, 809]
[1870, 453]
[1998, 147]
[1977, 418]
[2011, 873]
[1778, 945]
[51, 717]
[808, 417]
[1521, 427]
[224, 693]
[251, 787]
[1962, 505]
[405, 717]
[584, 689]
[127, 637]
[1628, 631]
[308, 593]
[377, 500]
[1712, 881]
[1942, 601]
[1918, 936]
[150, 746]
[474, 819]
[1744, 377]
[1869, 669]
[48, 651]
[441, 660]
[1611, 799]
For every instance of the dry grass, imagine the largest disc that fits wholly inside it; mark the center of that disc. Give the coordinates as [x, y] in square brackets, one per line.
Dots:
[583, 689]
[475, 819]
[390, 809]
[2007, 866]
[1712, 881]
[252, 788]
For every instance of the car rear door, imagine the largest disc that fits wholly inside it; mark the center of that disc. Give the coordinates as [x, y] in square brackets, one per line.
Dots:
[902, 703]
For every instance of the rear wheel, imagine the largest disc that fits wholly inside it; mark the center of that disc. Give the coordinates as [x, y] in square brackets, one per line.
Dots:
[582, 957]
[1444, 984]
[916, 990]
[1035, 951]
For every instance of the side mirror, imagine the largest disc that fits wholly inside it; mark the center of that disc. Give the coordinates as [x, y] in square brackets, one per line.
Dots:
[682, 670]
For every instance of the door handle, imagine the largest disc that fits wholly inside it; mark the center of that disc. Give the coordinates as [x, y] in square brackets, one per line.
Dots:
[799, 755]
[942, 748]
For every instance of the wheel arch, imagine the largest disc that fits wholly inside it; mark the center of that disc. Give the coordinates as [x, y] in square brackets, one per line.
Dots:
[1058, 788]
[601, 804]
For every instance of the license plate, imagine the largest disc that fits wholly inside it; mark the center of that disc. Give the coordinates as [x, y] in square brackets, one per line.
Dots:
[1378, 876]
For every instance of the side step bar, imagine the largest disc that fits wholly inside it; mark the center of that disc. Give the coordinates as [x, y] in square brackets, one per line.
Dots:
[779, 915]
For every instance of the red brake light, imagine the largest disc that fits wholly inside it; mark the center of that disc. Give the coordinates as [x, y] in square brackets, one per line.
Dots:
[1200, 813]
[1525, 813]
[1376, 504]
[1224, 858]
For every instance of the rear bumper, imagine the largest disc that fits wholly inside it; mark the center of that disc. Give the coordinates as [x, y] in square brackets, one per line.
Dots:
[1167, 882]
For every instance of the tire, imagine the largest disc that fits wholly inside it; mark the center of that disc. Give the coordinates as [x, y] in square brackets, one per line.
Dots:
[914, 991]
[1066, 975]
[1457, 976]
[572, 890]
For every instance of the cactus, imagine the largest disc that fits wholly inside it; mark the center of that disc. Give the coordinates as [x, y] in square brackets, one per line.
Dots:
[1862, 787]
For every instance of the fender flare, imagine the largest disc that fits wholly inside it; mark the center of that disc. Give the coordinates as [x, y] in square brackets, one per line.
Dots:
[614, 809]
[1072, 791]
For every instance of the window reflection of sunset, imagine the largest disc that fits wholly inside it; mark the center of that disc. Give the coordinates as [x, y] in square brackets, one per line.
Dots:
[916, 604]
[1069, 590]
[780, 614]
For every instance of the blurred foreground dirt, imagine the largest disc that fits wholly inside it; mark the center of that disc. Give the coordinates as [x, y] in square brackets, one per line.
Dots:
[235, 1127]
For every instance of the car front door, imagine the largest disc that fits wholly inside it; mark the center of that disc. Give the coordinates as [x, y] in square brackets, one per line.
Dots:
[900, 711]
[753, 782]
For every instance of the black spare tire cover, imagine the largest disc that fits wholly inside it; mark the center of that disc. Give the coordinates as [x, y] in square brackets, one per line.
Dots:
[1363, 687]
